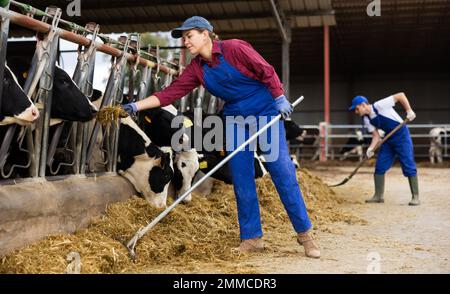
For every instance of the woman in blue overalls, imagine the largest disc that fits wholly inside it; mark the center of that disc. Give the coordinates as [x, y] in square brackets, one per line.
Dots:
[381, 115]
[234, 71]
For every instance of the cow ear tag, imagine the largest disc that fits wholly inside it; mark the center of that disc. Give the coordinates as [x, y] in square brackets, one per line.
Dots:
[222, 152]
[187, 123]
[148, 119]
[203, 165]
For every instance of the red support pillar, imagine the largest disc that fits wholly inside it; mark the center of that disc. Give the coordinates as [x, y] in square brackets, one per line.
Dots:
[326, 57]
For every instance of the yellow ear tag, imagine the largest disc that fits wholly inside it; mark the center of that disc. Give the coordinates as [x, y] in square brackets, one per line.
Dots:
[148, 119]
[203, 164]
[222, 152]
[187, 123]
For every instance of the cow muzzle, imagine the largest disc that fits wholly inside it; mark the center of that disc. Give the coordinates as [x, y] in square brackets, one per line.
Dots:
[29, 115]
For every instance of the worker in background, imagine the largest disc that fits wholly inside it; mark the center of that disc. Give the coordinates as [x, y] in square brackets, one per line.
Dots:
[381, 115]
[235, 72]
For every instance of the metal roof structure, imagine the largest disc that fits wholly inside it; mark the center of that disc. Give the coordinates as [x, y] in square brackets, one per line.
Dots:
[409, 35]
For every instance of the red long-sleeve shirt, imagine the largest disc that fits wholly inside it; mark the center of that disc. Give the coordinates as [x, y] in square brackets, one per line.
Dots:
[237, 53]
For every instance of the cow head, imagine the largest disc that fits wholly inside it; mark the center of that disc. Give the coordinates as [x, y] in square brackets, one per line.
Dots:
[294, 161]
[151, 176]
[16, 105]
[186, 166]
[436, 135]
[68, 101]
[148, 167]
[159, 178]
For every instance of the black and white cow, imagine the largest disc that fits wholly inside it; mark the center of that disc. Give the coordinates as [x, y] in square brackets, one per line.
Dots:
[157, 123]
[186, 165]
[439, 140]
[16, 108]
[355, 145]
[68, 104]
[295, 161]
[68, 101]
[148, 167]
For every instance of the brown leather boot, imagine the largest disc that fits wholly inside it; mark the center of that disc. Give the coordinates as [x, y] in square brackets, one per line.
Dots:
[251, 245]
[307, 241]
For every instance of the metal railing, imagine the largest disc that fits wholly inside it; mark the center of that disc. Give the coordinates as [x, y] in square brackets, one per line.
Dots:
[125, 52]
[333, 138]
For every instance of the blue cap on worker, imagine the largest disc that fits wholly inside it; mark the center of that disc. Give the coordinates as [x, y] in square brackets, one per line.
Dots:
[358, 100]
[194, 22]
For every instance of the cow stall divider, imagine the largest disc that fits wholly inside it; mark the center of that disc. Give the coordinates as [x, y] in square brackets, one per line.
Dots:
[39, 161]
[112, 92]
[41, 66]
[76, 198]
[4, 29]
[141, 232]
[45, 93]
[84, 78]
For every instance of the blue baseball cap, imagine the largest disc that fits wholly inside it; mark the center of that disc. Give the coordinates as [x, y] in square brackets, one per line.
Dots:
[358, 100]
[195, 22]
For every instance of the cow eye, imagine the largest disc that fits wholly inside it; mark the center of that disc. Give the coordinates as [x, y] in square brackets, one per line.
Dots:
[183, 164]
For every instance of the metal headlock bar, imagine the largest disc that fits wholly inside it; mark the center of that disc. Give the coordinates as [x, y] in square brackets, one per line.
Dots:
[113, 90]
[84, 78]
[42, 27]
[49, 30]
[45, 94]
[4, 29]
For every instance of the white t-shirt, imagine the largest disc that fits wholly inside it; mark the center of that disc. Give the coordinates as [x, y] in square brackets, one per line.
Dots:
[385, 107]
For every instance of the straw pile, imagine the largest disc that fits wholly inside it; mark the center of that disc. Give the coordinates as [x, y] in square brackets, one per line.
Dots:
[203, 231]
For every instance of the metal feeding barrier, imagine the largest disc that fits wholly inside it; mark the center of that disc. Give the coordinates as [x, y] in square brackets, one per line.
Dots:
[49, 29]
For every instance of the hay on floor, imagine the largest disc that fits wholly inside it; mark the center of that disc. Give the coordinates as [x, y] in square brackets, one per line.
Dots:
[205, 230]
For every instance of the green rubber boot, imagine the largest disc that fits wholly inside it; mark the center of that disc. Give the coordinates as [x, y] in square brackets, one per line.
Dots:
[414, 186]
[379, 190]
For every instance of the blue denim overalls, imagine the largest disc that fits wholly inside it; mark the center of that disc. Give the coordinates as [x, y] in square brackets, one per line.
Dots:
[399, 145]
